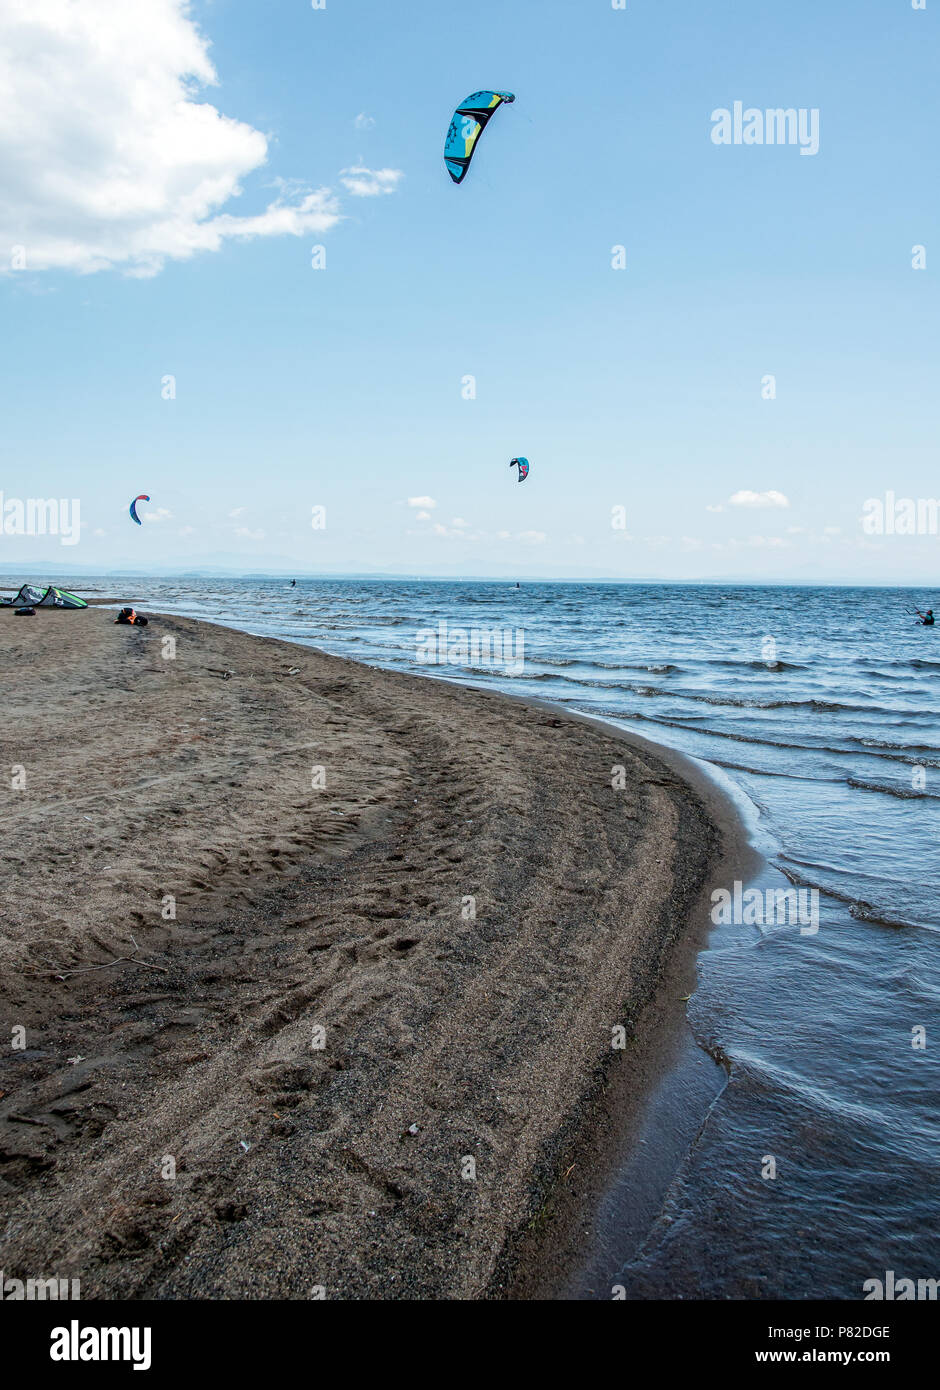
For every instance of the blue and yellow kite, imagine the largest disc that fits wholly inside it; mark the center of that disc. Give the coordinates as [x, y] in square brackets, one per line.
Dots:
[467, 125]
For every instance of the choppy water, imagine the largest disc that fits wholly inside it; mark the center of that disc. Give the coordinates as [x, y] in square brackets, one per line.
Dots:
[823, 708]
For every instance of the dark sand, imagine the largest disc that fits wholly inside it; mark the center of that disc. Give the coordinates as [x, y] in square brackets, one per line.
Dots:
[344, 908]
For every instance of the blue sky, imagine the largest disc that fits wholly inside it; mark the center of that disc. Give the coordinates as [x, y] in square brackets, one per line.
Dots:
[341, 387]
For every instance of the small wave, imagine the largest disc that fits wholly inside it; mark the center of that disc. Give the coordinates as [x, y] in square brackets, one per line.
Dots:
[767, 1073]
[867, 912]
[754, 702]
[901, 752]
[717, 700]
[691, 723]
[756, 665]
[773, 772]
[590, 663]
[859, 908]
[891, 789]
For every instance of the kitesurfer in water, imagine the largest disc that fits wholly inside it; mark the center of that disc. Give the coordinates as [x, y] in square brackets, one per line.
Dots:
[926, 619]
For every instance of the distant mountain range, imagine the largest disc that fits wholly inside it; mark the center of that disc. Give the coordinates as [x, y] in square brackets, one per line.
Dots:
[45, 570]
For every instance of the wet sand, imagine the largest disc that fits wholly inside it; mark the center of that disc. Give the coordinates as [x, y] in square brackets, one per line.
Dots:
[283, 1037]
[648, 1116]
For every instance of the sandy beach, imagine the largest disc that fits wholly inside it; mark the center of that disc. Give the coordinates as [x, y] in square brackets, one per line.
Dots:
[318, 965]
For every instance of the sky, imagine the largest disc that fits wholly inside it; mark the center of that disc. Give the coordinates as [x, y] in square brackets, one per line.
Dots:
[713, 355]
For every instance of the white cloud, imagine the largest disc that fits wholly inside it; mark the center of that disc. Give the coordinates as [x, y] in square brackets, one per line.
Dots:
[758, 499]
[424, 502]
[759, 543]
[107, 156]
[364, 122]
[369, 183]
[161, 514]
[457, 531]
[249, 534]
[717, 508]
[316, 211]
[523, 537]
[187, 531]
[423, 516]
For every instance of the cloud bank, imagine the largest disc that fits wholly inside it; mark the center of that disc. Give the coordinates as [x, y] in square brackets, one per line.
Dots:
[746, 498]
